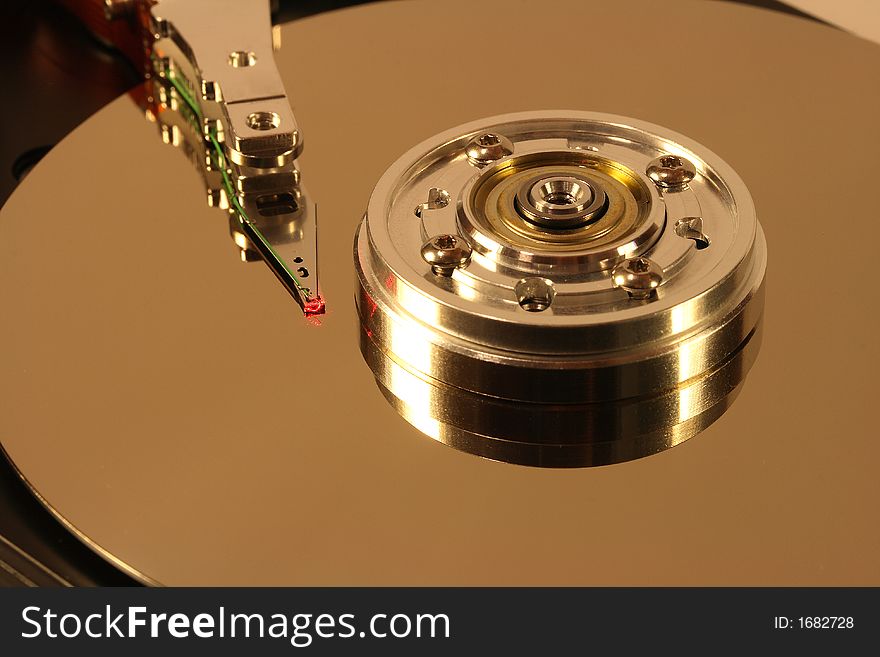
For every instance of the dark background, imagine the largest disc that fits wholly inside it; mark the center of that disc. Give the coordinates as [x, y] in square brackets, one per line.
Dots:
[56, 74]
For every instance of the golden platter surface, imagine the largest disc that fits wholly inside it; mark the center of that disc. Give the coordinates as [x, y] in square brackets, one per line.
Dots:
[170, 404]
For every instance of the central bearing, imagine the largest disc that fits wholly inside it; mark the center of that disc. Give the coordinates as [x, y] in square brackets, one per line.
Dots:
[568, 212]
[560, 202]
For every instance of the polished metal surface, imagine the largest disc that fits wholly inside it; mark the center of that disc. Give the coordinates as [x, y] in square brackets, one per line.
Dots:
[239, 108]
[229, 45]
[587, 329]
[558, 202]
[171, 405]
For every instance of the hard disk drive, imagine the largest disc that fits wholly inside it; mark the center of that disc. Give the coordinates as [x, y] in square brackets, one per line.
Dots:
[570, 293]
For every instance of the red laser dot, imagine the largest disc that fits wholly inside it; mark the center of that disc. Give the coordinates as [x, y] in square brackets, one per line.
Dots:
[314, 306]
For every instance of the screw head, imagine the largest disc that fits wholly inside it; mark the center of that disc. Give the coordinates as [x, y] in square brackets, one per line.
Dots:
[445, 254]
[638, 277]
[671, 171]
[488, 147]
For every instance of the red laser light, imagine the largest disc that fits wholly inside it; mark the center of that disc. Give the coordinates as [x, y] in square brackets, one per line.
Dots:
[314, 306]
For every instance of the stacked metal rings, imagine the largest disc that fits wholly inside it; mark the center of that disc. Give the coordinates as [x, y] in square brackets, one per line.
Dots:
[560, 289]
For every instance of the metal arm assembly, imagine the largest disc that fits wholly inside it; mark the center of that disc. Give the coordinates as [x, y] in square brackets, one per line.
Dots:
[216, 57]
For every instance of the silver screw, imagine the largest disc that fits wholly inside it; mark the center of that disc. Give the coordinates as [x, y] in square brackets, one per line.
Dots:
[638, 277]
[488, 147]
[671, 171]
[445, 254]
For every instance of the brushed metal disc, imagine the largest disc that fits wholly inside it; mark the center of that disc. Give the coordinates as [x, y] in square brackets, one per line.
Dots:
[171, 405]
